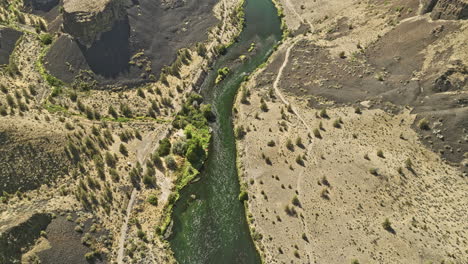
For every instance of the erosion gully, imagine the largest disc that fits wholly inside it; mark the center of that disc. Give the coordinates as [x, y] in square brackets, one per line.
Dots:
[212, 228]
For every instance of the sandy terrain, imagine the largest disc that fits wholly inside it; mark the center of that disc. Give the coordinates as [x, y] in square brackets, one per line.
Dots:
[325, 198]
[342, 205]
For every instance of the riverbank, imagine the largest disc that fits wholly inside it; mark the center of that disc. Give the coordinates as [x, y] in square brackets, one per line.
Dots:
[209, 220]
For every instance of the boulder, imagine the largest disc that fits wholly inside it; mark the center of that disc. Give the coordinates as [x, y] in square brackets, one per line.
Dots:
[86, 20]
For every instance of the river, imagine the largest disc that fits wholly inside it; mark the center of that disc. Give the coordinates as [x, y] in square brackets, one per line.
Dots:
[212, 228]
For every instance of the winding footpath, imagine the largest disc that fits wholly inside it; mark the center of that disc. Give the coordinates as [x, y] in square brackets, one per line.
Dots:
[123, 232]
[278, 92]
[296, 113]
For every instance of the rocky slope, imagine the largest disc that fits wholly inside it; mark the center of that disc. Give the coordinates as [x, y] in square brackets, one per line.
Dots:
[87, 20]
[446, 9]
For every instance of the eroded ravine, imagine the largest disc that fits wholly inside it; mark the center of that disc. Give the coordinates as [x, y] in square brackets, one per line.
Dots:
[209, 221]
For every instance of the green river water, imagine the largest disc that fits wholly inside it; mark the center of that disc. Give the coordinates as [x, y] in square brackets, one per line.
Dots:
[212, 228]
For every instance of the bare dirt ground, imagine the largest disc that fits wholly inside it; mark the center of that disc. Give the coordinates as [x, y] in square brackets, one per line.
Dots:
[378, 69]
[342, 205]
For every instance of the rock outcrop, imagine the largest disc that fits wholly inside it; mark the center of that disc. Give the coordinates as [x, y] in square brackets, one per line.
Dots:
[8, 38]
[43, 5]
[446, 9]
[86, 20]
[15, 239]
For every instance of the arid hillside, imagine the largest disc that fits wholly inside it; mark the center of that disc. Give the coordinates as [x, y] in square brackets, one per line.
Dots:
[88, 173]
[353, 140]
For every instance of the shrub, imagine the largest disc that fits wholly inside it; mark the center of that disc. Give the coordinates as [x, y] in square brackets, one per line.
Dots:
[324, 194]
[357, 110]
[221, 49]
[148, 179]
[337, 123]
[3, 110]
[110, 160]
[114, 174]
[289, 145]
[400, 170]
[201, 49]
[373, 171]
[3, 88]
[299, 160]
[325, 181]
[141, 234]
[207, 112]
[69, 126]
[317, 133]
[195, 153]
[299, 142]
[290, 210]
[424, 124]
[408, 163]
[243, 196]
[163, 80]
[123, 150]
[90, 256]
[295, 201]
[141, 93]
[152, 199]
[171, 163]
[271, 143]
[380, 153]
[112, 112]
[323, 113]
[264, 106]
[245, 96]
[179, 148]
[156, 159]
[126, 111]
[164, 147]
[240, 132]
[11, 101]
[46, 39]
[387, 225]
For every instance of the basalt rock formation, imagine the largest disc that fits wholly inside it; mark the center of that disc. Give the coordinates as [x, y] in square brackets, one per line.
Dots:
[446, 9]
[44, 5]
[8, 38]
[14, 239]
[87, 20]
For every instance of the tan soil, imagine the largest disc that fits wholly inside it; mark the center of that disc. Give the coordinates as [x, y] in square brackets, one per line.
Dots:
[345, 190]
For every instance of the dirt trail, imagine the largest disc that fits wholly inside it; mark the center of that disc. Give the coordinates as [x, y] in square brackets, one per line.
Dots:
[277, 90]
[123, 232]
[296, 113]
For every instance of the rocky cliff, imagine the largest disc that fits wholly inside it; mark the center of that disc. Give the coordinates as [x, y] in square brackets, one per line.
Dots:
[44, 5]
[86, 20]
[446, 9]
